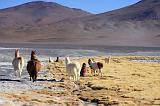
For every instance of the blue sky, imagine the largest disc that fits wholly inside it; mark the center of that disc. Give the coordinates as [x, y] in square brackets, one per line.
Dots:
[93, 6]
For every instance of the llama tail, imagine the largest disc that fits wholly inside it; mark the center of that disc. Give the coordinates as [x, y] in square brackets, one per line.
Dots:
[19, 71]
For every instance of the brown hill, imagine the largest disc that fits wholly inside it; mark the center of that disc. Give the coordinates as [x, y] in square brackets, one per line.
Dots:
[37, 13]
[24, 22]
[135, 25]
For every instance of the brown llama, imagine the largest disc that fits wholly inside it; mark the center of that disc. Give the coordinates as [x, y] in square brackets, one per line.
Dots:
[33, 66]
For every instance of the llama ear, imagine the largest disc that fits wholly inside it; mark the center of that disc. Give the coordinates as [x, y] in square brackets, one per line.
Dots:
[17, 49]
[67, 56]
[34, 51]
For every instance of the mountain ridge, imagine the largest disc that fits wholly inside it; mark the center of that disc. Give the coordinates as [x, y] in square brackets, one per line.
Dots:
[134, 25]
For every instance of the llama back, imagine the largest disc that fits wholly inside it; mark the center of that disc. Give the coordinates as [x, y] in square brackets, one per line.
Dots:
[22, 62]
[71, 69]
[78, 65]
[34, 65]
[94, 65]
[100, 65]
[30, 66]
[37, 66]
[16, 63]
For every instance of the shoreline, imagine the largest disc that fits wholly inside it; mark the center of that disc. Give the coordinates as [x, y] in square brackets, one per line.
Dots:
[113, 49]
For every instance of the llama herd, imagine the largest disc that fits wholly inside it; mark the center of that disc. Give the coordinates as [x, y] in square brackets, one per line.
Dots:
[73, 68]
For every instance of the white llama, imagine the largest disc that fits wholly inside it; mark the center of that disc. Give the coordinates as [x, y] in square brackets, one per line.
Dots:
[18, 63]
[73, 69]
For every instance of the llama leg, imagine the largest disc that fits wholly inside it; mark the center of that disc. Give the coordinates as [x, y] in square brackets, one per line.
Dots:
[76, 77]
[20, 73]
[15, 72]
[33, 78]
[91, 72]
[100, 70]
[19, 70]
[70, 78]
[94, 72]
[36, 77]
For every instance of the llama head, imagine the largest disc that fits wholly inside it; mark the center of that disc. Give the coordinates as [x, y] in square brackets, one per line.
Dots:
[90, 61]
[17, 53]
[84, 65]
[67, 60]
[17, 50]
[33, 54]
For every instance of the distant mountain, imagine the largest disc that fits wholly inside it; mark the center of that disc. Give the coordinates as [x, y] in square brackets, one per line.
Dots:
[45, 22]
[24, 22]
[145, 9]
[37, 13]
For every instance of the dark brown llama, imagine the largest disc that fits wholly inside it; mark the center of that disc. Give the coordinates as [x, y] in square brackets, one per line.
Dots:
[33, 66]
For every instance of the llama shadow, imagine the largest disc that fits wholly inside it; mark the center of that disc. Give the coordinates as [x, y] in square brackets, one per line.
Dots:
[50, 80]
[10, 80]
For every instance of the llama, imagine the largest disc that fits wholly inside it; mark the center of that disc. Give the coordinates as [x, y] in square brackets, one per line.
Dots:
[95, 66]
[57, 60]
[50, 60]
[73, 69]
[107, 59]
[33, 66]
[18, 63]
[83, 70]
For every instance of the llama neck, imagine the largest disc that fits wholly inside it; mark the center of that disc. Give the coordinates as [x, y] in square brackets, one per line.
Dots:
[17, 54]
[33, 57]
[90, 62]
[67, 61]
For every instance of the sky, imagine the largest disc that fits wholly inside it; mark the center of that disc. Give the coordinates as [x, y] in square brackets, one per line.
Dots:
[93, 6]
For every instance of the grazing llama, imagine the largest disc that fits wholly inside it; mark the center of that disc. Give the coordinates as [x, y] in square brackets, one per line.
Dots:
[57, 60]
[18, 63]
[50, 60]
[33, 66]
[95, 66]
[83, 70]
[107, 59]
[73, 69]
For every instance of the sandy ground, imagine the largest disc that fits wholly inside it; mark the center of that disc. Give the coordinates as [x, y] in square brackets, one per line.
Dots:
[47, 91]
[124, 82]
